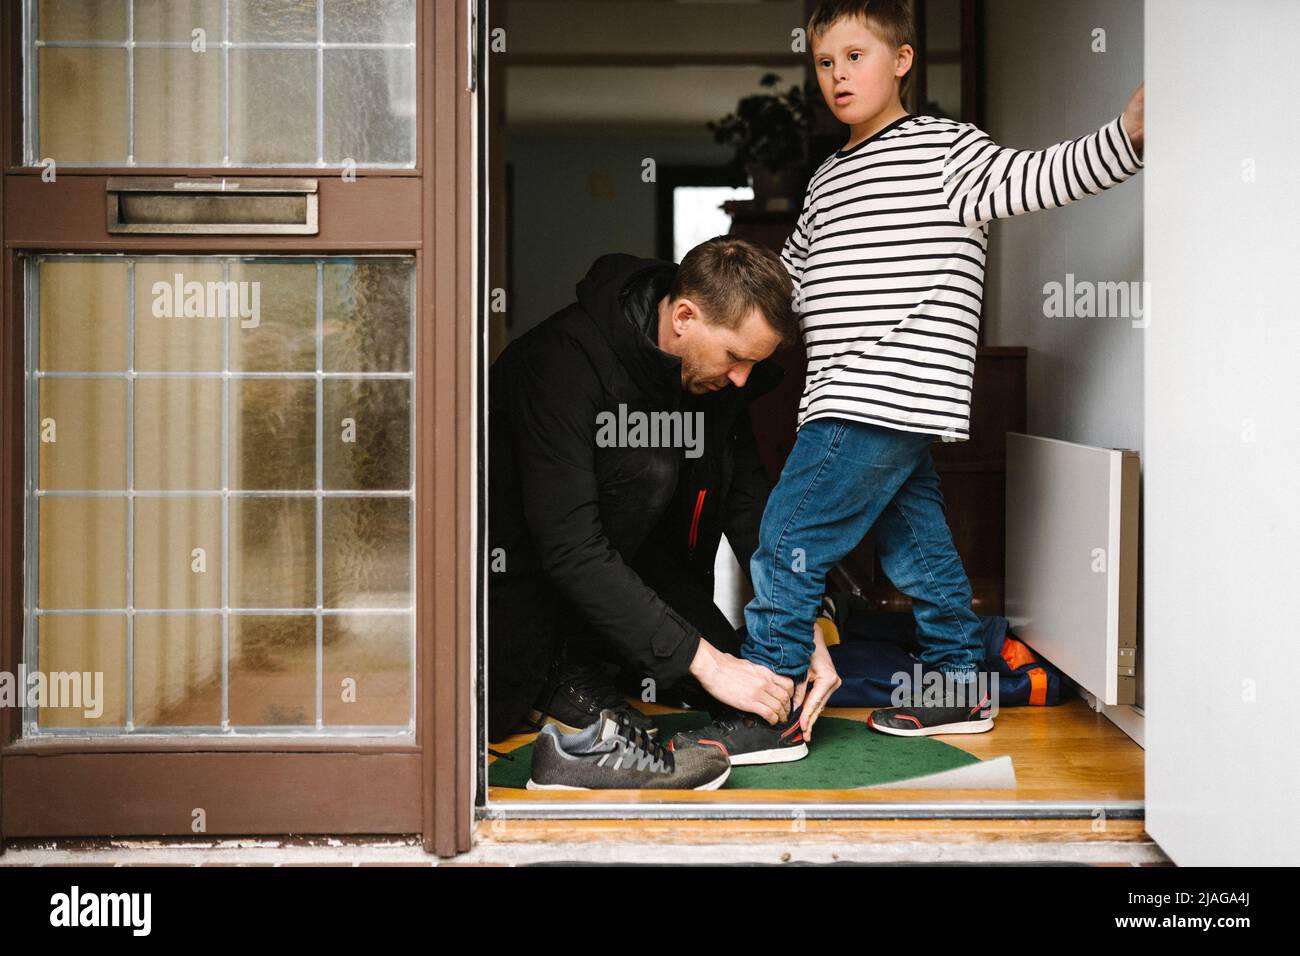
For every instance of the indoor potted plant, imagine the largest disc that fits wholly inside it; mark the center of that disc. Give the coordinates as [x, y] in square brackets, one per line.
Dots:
[769, 132]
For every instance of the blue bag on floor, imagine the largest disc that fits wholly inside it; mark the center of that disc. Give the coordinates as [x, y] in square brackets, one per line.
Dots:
[876, 645]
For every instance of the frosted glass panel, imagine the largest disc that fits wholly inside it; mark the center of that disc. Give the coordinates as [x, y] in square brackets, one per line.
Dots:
[369, 21]
[273, 434]
[291, 21]
[272, 129]
[176, 20]
[178, 434]
[273, 671]
[82, 434]
[176, 551]
[199, 83]
[272, 552]
[367, 669]
[177, 108]
[176, 325]
[81, 106]
[367, 552]
[369, 105]
[220, 499]
[83, 324]
[283, 339]
[367, 434]
[363, 302]
[89, 654]
[83, 19]
[82, 546]
[176, 675]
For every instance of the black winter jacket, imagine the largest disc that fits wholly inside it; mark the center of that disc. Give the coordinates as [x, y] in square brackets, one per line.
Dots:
[567, 519]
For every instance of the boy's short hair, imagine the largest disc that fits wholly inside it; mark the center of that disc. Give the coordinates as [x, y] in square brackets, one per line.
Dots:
[729, 277]
[890, 19]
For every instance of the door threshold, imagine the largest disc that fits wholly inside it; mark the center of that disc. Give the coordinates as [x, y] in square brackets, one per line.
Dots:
[911, 810]
[798, 839]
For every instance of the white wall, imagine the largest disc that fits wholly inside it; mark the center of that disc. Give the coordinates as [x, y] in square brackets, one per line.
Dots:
[1222, 433]
[1045, 85]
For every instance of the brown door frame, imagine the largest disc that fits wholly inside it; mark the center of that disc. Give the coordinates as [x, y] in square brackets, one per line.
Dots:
[445, 375]
[140, 786]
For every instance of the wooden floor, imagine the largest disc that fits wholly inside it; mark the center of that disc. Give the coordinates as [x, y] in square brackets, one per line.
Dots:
[1062, 753]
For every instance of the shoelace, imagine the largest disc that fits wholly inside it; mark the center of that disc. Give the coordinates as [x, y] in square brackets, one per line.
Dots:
[593, 686]
[728, 722]
[640, 747]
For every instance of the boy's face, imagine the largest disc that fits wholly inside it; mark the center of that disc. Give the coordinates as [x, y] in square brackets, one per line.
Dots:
[857, 71]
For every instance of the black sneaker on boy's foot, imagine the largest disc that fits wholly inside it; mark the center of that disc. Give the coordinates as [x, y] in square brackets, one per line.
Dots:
[574, 696]
[611, 754]
[946, 717]
[747, 738]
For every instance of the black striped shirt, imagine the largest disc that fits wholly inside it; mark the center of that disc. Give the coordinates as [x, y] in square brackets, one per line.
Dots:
[888, 259]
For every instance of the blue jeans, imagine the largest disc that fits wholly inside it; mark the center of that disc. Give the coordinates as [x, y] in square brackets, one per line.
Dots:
[841, 479]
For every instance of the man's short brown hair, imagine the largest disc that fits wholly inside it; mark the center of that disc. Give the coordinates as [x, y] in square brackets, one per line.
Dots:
[729, 277]
[890, 19]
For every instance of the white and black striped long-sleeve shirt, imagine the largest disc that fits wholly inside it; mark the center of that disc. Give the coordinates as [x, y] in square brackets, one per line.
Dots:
[888, 261]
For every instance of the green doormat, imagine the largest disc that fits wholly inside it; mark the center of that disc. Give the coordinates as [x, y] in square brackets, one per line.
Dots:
[843, 754]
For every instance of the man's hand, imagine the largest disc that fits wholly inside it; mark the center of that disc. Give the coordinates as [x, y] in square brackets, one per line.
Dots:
[821, 682]
[1134, 118]
[742, 684]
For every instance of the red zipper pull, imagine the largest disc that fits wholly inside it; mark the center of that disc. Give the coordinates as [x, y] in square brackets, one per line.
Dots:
[695, 518]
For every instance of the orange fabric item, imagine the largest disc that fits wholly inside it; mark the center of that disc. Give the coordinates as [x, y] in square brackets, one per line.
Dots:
[1038, 686]
[830, 633]
[1016, 653]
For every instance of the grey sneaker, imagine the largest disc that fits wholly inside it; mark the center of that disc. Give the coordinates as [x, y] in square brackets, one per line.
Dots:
[612, 754]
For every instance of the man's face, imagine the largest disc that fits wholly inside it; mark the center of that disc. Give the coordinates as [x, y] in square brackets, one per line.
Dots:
[714, 356]
[857, 70]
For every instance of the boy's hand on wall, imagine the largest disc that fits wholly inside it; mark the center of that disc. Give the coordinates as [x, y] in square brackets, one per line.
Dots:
[822, 681]
[1134, 119]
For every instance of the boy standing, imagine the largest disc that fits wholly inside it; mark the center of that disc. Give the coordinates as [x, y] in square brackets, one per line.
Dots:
[887, 259]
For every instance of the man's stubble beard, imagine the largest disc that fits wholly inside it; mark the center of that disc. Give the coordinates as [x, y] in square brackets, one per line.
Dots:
[691, 376]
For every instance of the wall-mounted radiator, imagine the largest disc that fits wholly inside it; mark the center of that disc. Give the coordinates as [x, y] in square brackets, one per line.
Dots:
[1072, 556]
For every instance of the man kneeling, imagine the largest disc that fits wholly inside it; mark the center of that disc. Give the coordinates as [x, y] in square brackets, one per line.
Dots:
[620, 453]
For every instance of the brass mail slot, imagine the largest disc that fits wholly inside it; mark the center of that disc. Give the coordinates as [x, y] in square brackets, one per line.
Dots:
[166, 205]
